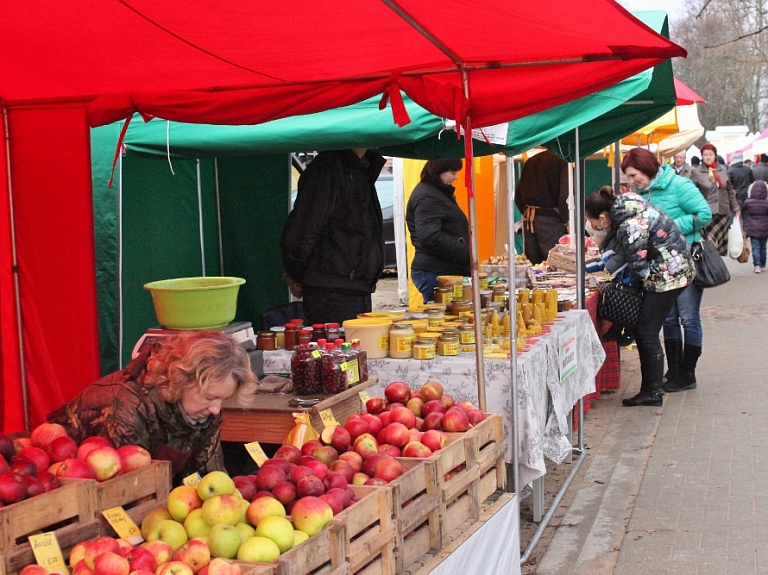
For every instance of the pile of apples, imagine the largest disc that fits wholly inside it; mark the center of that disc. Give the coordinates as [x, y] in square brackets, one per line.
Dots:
[33, 465]
[215, 520]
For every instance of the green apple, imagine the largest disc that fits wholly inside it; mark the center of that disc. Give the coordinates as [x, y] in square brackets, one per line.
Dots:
[299, 537]
[182, 500]
[245, 530]
[153, 518]
[244, 504]
[258, 550]
[171, 532]
[195, 525]
[224, 541]
[279, 530]
[222, 509]
[215, 483]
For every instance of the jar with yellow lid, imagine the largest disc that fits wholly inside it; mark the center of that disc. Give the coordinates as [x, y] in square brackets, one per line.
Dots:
[442, 295]
[448, 345]
[424, 348]
[435, 317]
[460, 308]
[483, 281]
[456, 283]
[467, 334]
[499, 293]
[401, 340]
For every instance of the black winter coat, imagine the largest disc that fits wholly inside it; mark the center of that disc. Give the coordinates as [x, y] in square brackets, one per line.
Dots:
[756, 210]
[333, 236]
[439, 230]
[741, 176]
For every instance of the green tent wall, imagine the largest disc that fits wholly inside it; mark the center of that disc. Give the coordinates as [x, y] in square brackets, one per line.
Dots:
[161, 238]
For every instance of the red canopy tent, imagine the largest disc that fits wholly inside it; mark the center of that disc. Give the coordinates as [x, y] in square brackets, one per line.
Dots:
[65, 66]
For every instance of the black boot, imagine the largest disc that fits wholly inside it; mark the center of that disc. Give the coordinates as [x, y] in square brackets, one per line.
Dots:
[652, 370]
[674, 350]
[686, 377]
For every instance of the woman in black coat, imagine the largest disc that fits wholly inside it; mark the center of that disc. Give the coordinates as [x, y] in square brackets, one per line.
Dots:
[439, 229]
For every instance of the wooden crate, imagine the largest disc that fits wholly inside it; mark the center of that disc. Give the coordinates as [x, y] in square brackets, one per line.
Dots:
[429, 563]
[255, 568]
[363, 535]
[138, 492]
[311, 557]
[69, 511]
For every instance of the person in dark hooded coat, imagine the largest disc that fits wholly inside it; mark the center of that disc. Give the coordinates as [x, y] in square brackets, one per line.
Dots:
[756, 225]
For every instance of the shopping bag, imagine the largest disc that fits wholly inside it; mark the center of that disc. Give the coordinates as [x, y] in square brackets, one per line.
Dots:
[735, 239]
[620, 304]
[744, 256]
[710, 267]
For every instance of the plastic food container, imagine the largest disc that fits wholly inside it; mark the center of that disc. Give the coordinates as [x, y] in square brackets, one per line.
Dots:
[373, 334]
[195, 303]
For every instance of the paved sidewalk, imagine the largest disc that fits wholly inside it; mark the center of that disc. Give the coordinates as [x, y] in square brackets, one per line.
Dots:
[682, 489]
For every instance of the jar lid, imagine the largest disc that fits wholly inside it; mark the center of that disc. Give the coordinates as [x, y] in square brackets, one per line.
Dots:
[290, 326]
[424, 341]
[403, 325]
[277, 328]
[318, 326]
[266, 334]
[306, 330]
[448, 338]
[332, 326]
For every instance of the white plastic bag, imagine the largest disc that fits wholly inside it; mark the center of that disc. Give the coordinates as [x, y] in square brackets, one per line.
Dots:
[735, 238]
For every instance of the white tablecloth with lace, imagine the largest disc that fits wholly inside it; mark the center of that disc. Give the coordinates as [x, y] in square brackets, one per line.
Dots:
[544, 401]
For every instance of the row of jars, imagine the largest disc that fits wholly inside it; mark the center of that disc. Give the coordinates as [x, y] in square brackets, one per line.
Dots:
[437, 339]
[327, 367]
[295, 333]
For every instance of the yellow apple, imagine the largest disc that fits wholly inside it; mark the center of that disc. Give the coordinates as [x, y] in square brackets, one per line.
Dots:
[215, 483]
[279, 530]
[182, 500]
[171, 532]
[224, 541]
[264, 507]
[299, 537]
[153, 518]
[195, 525]
[245, 530]
[258, 550]
[222, 509]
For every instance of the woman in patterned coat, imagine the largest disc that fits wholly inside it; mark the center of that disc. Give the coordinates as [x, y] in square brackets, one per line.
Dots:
[168, 400]
[655, 251]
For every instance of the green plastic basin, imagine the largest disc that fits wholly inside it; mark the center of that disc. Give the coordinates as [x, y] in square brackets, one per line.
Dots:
[195, 303]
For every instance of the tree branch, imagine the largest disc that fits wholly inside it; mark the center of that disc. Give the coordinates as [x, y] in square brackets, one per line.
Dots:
[704, 7]
[755, 33]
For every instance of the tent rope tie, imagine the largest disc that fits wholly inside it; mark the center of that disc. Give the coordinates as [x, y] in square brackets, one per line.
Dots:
[395, 98]
[120, 143]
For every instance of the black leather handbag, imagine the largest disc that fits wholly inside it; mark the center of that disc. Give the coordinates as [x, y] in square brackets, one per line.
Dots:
[711, 270]
[620, 304]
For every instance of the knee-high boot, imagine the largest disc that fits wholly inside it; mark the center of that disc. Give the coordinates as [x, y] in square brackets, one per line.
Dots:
[673, 348]
[652, 370]
[686, 376]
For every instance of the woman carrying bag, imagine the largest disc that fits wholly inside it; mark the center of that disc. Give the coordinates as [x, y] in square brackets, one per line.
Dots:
[655, 251]
[681, 200]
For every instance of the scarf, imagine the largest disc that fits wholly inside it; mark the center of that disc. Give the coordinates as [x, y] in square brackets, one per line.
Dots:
[713, 175]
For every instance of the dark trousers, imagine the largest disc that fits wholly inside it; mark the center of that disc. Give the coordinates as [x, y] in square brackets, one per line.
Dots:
[656, 307]
[547, 230]
[326, 305]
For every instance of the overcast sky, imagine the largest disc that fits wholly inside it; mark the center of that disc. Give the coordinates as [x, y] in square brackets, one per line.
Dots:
[672, 7]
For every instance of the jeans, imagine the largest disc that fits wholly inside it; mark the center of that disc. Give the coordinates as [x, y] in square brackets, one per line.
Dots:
[758, 251]
[685, 311]
[656, 306]
[425, 282]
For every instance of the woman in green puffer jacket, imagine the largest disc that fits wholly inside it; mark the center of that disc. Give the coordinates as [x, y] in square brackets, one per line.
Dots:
[681, 199]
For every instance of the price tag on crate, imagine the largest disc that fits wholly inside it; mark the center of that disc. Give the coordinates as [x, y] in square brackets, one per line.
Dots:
[327, 417]
[47, 552]
[364, 397]
[192, 480]
[123, 525]
[256, 452]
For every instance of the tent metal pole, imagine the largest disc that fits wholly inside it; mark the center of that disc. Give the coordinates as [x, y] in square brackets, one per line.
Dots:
[218, 214]
[15, 271]
[200, 217]
[120, 262]
[510, 167]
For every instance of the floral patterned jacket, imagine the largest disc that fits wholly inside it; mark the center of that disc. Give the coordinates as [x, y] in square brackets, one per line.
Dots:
[120, 408]
[652, 244]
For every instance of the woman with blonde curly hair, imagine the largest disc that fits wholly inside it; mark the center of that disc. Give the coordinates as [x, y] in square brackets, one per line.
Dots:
[168, 400]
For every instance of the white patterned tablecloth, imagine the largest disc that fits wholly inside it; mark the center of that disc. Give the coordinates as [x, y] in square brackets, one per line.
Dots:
[544, 400]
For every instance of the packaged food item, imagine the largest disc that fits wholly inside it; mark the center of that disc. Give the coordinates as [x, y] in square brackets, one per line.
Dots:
[448, 344]
[306, 370]
[291, 336]
[401, 340]
[362, 359]
[266, 341]
[424, 348]
[334, 379]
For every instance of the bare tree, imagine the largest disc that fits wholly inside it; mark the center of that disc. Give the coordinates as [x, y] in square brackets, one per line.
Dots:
[727, 60]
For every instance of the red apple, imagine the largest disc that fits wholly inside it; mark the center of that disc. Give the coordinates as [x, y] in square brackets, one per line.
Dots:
[403, 415]
[397, 392]
[45, 433]
[245, 486]
[468, 405]
[375, 482]
[360, 478]
[283, 464]
[104, 461]
[49, 480]
[343, 467]
[353, 458]
[384, 418]
[455, 420]
[300, 472]
[34, 485]
[395, 433]
[366, 445]
[62, 448]
[290, 453]
[392, 450]
[90, 443]
[369, 465]
[335, 479]
[433, 420]
[140, 558]
[34, 569]
[447, 401]
[320, 468]
[307, 448]
[433, 406]
[23, 465]
[431, 390]
[6, 447]
[335, 501]
[337, 437]
[415, 404]
[133, 457]
[356, 427]
[284, 492]
[475, 416]
[325, 453]
[414, 434]
[310, 486]
[374, 423]
[13, 488]
[268, 477]
[75, 468]
[109, 563]
[39, 457]
[434, 439]
[416, 449]
[419, 424]
[20, 443]
[388, 469]
[3, 465]
[393, 405]
[375, 405]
